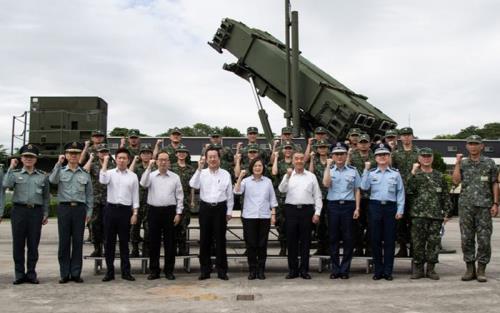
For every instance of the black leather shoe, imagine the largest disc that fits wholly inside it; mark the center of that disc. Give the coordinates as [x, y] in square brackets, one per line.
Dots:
[291, 275]
[64, 280]
[377, 277]
[128, 277]
[108, 277]
[222, 276]
[170, 276]
[388, 277]
[305, 275]
[19, 281]
[334, 276]
[260, 275]
[252, 276]
[204, 276]
[77, 279]
[344, 276]
[153, 276]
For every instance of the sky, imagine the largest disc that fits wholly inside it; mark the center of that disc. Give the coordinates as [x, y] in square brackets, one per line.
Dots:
[433, 65]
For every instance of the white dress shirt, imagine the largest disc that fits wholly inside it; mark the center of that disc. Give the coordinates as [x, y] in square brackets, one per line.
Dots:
[123, 186]
[302, 189]
[214, 186]
[163, 190]
[259, 197]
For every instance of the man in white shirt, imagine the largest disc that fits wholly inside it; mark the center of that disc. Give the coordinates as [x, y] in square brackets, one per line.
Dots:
[165, 201]
[216, 206]
[303, 205]
[121, 211]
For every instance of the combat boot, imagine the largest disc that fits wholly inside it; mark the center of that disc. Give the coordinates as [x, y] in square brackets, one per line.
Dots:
[282, 248]
[135, 250]
[481, 276]
[431, 273]
[470, 273]
[97, 251]
[418, 271]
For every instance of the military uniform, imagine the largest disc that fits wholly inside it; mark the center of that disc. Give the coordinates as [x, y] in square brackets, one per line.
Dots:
[430, 203]
[280, 210]
[76, 201]
[403, 161]
[264, 154]
[30, 207]
[142, 216]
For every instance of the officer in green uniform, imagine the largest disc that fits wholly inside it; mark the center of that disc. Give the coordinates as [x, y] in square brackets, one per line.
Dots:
[175, 142]
[279, 169]
[134, 143]
[286, 136]
[30, 210]
[76, 201]
[353, 138]
[391, 138]
[320, 133]
[430, 205]
[185, 172]
[252, 133]
[477, 203]
[403, 159]
[93, 167]
[243, 161]
[139, 166]
[357, 158]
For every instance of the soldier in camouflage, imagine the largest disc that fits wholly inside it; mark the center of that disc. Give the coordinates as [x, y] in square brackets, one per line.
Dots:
[134, 143]
[477, 203]
[353, 138]
[286, 136]
[252, 133]
[391, 138]
[403, 159]
[279, 169]
[242, 162]
[175, 141]
[319, 134]
[358, 158]
[185, 172]
[430, 205]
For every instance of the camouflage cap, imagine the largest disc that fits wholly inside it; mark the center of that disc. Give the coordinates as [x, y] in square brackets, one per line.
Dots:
[98, 133]
[425, 151]
[133, 133]
[355, 132]
[73, 147]
[29, 149]
[339, 147]
[288, 144]
[182, 148]
[474, 139]
[215, 135]
[176, 130]
[320, 130]
[286, 130]
[146, 148]
[391, 133]
[102, 147]
[253, 148]
[322, 143]
[252, 130]
[364, 137]
[406, 131]
[382, 148]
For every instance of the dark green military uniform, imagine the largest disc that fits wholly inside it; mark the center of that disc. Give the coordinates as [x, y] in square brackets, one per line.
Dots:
[280, 210]
[142, 215]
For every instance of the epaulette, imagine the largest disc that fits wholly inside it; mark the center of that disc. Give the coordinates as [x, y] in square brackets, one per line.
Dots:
[351, 167]
[17, 170]
[394, 169]
[40, 172]
[372, 169]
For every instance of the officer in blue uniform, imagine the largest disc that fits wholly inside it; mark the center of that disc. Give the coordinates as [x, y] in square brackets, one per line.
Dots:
[387, 203]
[30, 211]
[344, 196]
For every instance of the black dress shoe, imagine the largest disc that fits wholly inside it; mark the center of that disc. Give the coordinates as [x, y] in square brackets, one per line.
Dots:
[377, 277]
[19, 281]
[344, 276]
[222, 276]
[128, 277]
[305, 275]
[170, 276]
[334, 276]
[291, 275]
[204, 276]
[33, 281]
[252, 276]
[260, 275]
[64, 280]
[388, 277]
[108, 277]
[153, 276]
[77, 279]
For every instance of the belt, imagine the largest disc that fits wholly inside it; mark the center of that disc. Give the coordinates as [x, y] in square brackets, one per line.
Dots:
[71, 203]
[384, 202]
[117, 205]
[27, 205]
[163, 206]
[212, 203]
[300, 206]
[342, 201]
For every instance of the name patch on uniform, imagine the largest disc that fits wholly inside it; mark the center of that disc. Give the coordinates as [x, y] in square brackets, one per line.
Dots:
[484, 178]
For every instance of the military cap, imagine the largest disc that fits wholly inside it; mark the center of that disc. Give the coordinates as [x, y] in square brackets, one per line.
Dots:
[215, 135]
[474, 139]
[133, 133]
[176, 130]
[98, 133]
[354, 132]
[286, 130]
[29, 149]
[406, 131]
[391, 133]
[253, 148]
[73, 147]
[320, 130]
[252, 130]
[364, 137]
[339, 147]
[322, 143]
[102, 147]
[288, 144]
[182, 148]
[425, 151]
[382, 148]
[146, 148]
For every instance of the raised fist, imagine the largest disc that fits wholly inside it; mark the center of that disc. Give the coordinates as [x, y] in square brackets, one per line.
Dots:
[61, 159]
[329, 162]
[237, 156]
[201, 163]
[276, 154]
[13, 163]
[106, 158]
[151, 163]
[92, 156]
[310, 141]
[368, 164]
[289, 172]
[122, 141]
[87, 143]
[415, 167]
[238, 146]
[243, 173]
[312, 154]
[459, 157]
[159, 142]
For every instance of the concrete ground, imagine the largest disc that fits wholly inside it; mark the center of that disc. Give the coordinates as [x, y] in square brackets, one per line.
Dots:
[275, 294]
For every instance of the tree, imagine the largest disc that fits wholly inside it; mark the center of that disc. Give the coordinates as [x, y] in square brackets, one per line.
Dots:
[204, 130]
[489, 131]
[438, 163]
[123, 132]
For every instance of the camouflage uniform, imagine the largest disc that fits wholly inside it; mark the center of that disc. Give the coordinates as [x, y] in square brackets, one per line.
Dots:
[361, 231]
[429, 201]
[134, 152]
[142, 214]
[280, 210]
[474, 205]
[403, 161]
[171, 154]
[320, 231]
[263, 154]
[185, 173]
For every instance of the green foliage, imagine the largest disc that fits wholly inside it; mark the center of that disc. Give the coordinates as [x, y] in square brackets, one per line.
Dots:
[204, 130]
[438, 163]
[489, 131]
[123, 132]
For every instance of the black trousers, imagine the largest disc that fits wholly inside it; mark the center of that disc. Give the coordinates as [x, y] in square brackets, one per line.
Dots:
[383, 230]
[341, 228]
[298, 233]
[161, 224]
[256, 232]
[26, 230]
[71, 227]
[117, 222]
[212, 219]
